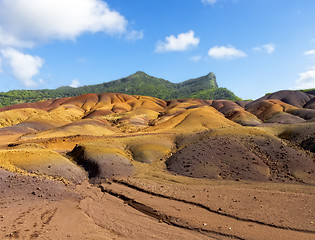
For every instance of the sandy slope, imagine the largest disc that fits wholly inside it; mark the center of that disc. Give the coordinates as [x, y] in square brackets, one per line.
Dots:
[113, 166]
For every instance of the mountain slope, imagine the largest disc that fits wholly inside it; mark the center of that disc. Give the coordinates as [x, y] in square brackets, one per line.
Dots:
[139, 83]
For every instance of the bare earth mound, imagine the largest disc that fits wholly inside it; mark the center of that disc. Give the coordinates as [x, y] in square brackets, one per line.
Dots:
[254, 158]
[115, 166]
[296, 98]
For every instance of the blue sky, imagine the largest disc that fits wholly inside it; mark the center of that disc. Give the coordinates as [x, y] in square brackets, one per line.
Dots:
[252, 46]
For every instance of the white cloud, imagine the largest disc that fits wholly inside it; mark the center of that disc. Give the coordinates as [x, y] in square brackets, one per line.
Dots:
[306, 79]
[310, 53]
[182, 42]
[209, 1]
[9, 40]
[196, 58]
[57, 19]
[134, 35]
[75, 83]
[223, 52]
[268, 48]
[24, 67]
[24, 24]
[1, 65]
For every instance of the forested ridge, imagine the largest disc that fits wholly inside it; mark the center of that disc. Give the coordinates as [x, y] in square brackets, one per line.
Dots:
[139, 83]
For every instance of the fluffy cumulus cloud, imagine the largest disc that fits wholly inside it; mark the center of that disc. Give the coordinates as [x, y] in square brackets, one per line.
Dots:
[208, 1]
[181, 42]
[23, 66]
[310, 53]
[268, 48]
[24, 24]
[225, 52]
[58, 19]
[75, 83]
[306, 79]
[7, 39]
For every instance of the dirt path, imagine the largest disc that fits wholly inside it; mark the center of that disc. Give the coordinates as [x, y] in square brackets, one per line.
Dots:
[35, 208]
[199, 218]
[285, 206]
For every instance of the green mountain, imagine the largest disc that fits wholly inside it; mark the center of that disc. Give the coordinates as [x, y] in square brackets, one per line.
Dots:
[139, 83]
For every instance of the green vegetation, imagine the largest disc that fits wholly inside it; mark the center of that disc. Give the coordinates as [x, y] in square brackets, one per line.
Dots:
[217, 93]
[310, 91]
[139, 83]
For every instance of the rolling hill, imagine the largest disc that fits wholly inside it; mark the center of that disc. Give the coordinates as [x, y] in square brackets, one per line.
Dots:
[115, 163]
[139, 83]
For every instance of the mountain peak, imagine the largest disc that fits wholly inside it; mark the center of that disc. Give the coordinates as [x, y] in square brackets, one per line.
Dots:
[203, 82]
[210, 75]
[139, 74]
[211, 78]
[139, 83]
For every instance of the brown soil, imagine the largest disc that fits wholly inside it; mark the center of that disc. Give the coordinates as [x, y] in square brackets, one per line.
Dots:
[310, 104]
[248, 158]
[113, 166]
[34, 208]
[296, 98]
